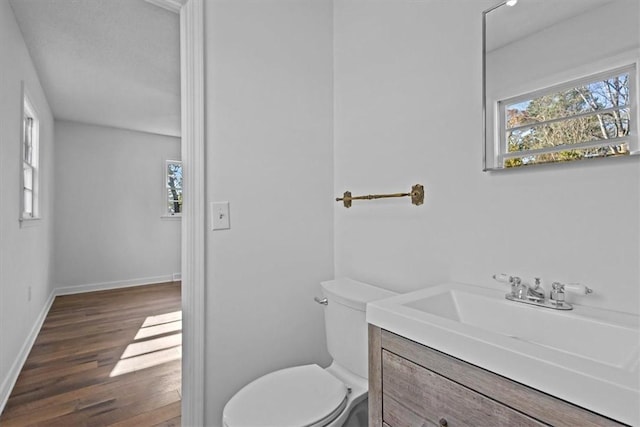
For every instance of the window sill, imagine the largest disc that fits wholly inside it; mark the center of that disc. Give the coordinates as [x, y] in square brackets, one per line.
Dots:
[29, 222]
[170, 217]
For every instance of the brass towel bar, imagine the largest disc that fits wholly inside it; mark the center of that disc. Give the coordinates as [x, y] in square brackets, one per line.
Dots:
[416, 194]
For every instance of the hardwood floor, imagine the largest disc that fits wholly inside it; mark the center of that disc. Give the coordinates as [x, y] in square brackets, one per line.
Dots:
[109, 358]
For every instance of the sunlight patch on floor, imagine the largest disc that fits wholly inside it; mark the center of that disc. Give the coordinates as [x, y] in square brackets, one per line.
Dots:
[148, 360]
[153, 345]
[162, 318]
[164, 328]
[146, 351]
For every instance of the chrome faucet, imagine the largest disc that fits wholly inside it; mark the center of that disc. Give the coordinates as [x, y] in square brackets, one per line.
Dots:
[520, 290]
[524, 291]
[535, 292]
[535, 295]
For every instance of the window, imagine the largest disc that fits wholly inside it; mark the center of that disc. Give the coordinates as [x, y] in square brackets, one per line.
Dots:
[173, 184]
[587, 118]
[30, 154]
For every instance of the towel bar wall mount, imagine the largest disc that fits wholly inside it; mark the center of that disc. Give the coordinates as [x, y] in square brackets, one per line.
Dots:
[416, 194]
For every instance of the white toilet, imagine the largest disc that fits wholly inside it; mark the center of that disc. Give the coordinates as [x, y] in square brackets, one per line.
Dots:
[310, 396]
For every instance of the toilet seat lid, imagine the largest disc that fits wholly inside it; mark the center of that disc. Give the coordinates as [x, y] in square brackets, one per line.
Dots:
[299, 396]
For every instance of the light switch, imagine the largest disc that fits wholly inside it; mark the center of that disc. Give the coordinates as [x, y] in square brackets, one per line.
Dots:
[220, 216]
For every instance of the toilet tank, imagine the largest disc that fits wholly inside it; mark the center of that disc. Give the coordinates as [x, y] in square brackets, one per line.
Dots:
[345, 321]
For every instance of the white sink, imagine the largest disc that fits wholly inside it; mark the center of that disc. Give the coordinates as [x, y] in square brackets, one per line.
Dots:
[587, 356]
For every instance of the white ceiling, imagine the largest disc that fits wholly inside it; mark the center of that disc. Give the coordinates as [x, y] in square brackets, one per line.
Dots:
[106, 62]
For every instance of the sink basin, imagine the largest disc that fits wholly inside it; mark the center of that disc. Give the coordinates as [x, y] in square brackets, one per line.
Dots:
[559, 330]
[587, 356]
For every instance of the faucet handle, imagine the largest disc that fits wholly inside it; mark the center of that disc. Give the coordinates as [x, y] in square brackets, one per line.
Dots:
[505, 278]
[578, 288]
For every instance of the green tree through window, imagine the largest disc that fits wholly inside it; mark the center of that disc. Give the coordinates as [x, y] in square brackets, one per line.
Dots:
[174, 187]
[584, 121]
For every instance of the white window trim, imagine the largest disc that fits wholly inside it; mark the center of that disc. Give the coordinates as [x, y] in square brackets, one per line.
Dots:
[165, 213]
[502, 153]
[28, 108]
[612, 62]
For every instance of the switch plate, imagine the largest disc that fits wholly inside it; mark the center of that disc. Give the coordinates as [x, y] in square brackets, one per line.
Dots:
[220, 216]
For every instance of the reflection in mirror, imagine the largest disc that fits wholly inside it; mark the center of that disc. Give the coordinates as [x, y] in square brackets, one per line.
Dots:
[560, 81]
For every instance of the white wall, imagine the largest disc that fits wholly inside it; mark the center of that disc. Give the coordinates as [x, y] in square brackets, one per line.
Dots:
[24, 251]
[109, 202]
[408, 109]
[269, 153]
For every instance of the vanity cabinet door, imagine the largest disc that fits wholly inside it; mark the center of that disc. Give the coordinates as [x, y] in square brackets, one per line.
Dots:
[411, 385]
[415, 396]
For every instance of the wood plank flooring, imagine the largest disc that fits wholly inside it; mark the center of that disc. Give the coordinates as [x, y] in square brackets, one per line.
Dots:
[109, 358]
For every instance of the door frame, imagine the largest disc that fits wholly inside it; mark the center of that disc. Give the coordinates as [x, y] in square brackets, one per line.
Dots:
[194, 212]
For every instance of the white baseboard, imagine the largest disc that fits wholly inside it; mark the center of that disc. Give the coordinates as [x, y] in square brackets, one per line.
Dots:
[10, 381]
[105, 286]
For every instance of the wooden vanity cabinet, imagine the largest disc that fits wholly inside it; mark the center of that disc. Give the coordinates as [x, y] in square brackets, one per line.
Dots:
[411, 385]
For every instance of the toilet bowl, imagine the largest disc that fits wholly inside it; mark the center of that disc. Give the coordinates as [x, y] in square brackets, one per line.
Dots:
[308, 395]
[305, 395]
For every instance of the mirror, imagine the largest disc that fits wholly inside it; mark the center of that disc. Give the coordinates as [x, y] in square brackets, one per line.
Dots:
[560, 81]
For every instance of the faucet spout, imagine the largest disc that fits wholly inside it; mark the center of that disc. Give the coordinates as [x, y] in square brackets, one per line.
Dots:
[535, 294]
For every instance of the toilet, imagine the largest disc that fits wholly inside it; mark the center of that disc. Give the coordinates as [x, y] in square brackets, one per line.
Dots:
[308, 395]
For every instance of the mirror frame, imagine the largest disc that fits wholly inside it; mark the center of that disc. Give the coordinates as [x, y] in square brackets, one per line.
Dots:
[618, 61]
[484, 83]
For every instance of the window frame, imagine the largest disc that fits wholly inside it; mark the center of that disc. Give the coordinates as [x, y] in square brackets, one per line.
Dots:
[29, 111]
[166, 213]
[502, 151]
